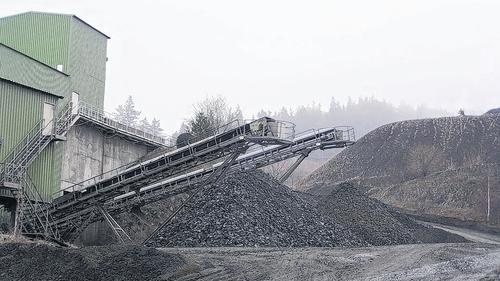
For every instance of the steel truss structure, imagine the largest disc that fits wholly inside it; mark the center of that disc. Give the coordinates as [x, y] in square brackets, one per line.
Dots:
[242, 145]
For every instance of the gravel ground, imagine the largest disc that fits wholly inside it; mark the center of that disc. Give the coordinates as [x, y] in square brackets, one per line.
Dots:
[32, 261]
[466, 261]
[253, 209]
[41, 262]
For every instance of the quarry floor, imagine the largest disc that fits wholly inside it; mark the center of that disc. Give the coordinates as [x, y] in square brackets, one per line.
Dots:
[471, 261]
[478, 260]
[465, 261]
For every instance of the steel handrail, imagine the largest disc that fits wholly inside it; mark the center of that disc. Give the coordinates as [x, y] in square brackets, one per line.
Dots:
[90, 111]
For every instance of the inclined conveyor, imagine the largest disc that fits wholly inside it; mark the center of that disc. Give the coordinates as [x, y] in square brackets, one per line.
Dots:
[258, 157]
[235, 138]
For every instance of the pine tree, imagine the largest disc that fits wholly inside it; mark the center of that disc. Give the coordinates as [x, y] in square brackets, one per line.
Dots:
[155, 127]
[127, 114]
[200, 124]
[144, 125]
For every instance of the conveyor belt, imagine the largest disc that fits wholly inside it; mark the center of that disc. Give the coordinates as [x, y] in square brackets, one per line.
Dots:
[258, 157]
[103, 188]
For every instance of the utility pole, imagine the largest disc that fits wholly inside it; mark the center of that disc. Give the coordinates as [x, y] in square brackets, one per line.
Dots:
[488, 212]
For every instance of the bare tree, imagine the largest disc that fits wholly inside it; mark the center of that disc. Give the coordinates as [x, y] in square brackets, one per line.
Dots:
[212, 113]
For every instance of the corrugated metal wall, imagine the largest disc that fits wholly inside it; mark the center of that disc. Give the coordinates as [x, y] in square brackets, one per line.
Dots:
[87, 63]
[62, 39]
[44, 37]
[52, 39]
[16, 67]
[20, 109]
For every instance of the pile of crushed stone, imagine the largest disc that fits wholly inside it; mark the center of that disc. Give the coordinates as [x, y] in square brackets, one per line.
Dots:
[32, 261]
[251, 209]
[374, 222]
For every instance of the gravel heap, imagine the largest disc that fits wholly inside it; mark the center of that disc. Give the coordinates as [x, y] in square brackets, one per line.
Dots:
[32, 261]
[251, 209]
[375, 222]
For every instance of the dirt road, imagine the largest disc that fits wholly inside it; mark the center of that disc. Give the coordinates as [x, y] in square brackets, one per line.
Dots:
[470, 261]
[472, 235]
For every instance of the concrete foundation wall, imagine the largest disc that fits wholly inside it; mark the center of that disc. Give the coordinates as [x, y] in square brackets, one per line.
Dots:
[89, 152]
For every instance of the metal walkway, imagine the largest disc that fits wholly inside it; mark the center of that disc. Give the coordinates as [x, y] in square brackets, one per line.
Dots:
[87, 112]
[44, 132]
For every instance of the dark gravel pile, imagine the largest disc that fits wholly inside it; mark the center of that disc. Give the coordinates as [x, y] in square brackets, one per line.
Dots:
[251, 209]
[30, 261]
[375, 222]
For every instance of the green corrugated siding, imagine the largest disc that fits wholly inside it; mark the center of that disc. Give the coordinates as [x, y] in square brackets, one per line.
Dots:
[45, 171]
[44, 37]
[21, 69]
[51, 39]
[20, 109]
[87, 63]
[62, 39]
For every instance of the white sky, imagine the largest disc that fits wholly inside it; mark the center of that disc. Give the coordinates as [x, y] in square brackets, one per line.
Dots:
[269, 54]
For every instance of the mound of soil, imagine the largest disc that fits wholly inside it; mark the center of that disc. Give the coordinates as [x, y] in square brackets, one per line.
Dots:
[251, 209]
[30, 261]
[375, 222]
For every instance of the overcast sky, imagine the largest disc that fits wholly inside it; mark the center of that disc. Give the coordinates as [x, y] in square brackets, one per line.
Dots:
[268, 54]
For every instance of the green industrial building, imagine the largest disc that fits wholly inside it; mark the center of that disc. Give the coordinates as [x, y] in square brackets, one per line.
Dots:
[49, 63]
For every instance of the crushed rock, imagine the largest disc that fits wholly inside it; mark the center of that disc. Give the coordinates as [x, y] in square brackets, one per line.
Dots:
[251, 209]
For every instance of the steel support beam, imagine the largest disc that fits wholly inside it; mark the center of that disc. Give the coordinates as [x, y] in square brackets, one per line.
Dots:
[117, 229]
[294, 166]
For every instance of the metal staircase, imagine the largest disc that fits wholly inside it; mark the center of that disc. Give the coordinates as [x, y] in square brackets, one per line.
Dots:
[45, 131]
[23, 154]
[30, 219]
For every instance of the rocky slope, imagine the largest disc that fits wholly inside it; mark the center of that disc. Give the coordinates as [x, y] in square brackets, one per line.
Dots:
[375, 222]
[436, 166]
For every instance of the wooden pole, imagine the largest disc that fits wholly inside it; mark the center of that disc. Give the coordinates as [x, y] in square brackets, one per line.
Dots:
[488, 213]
